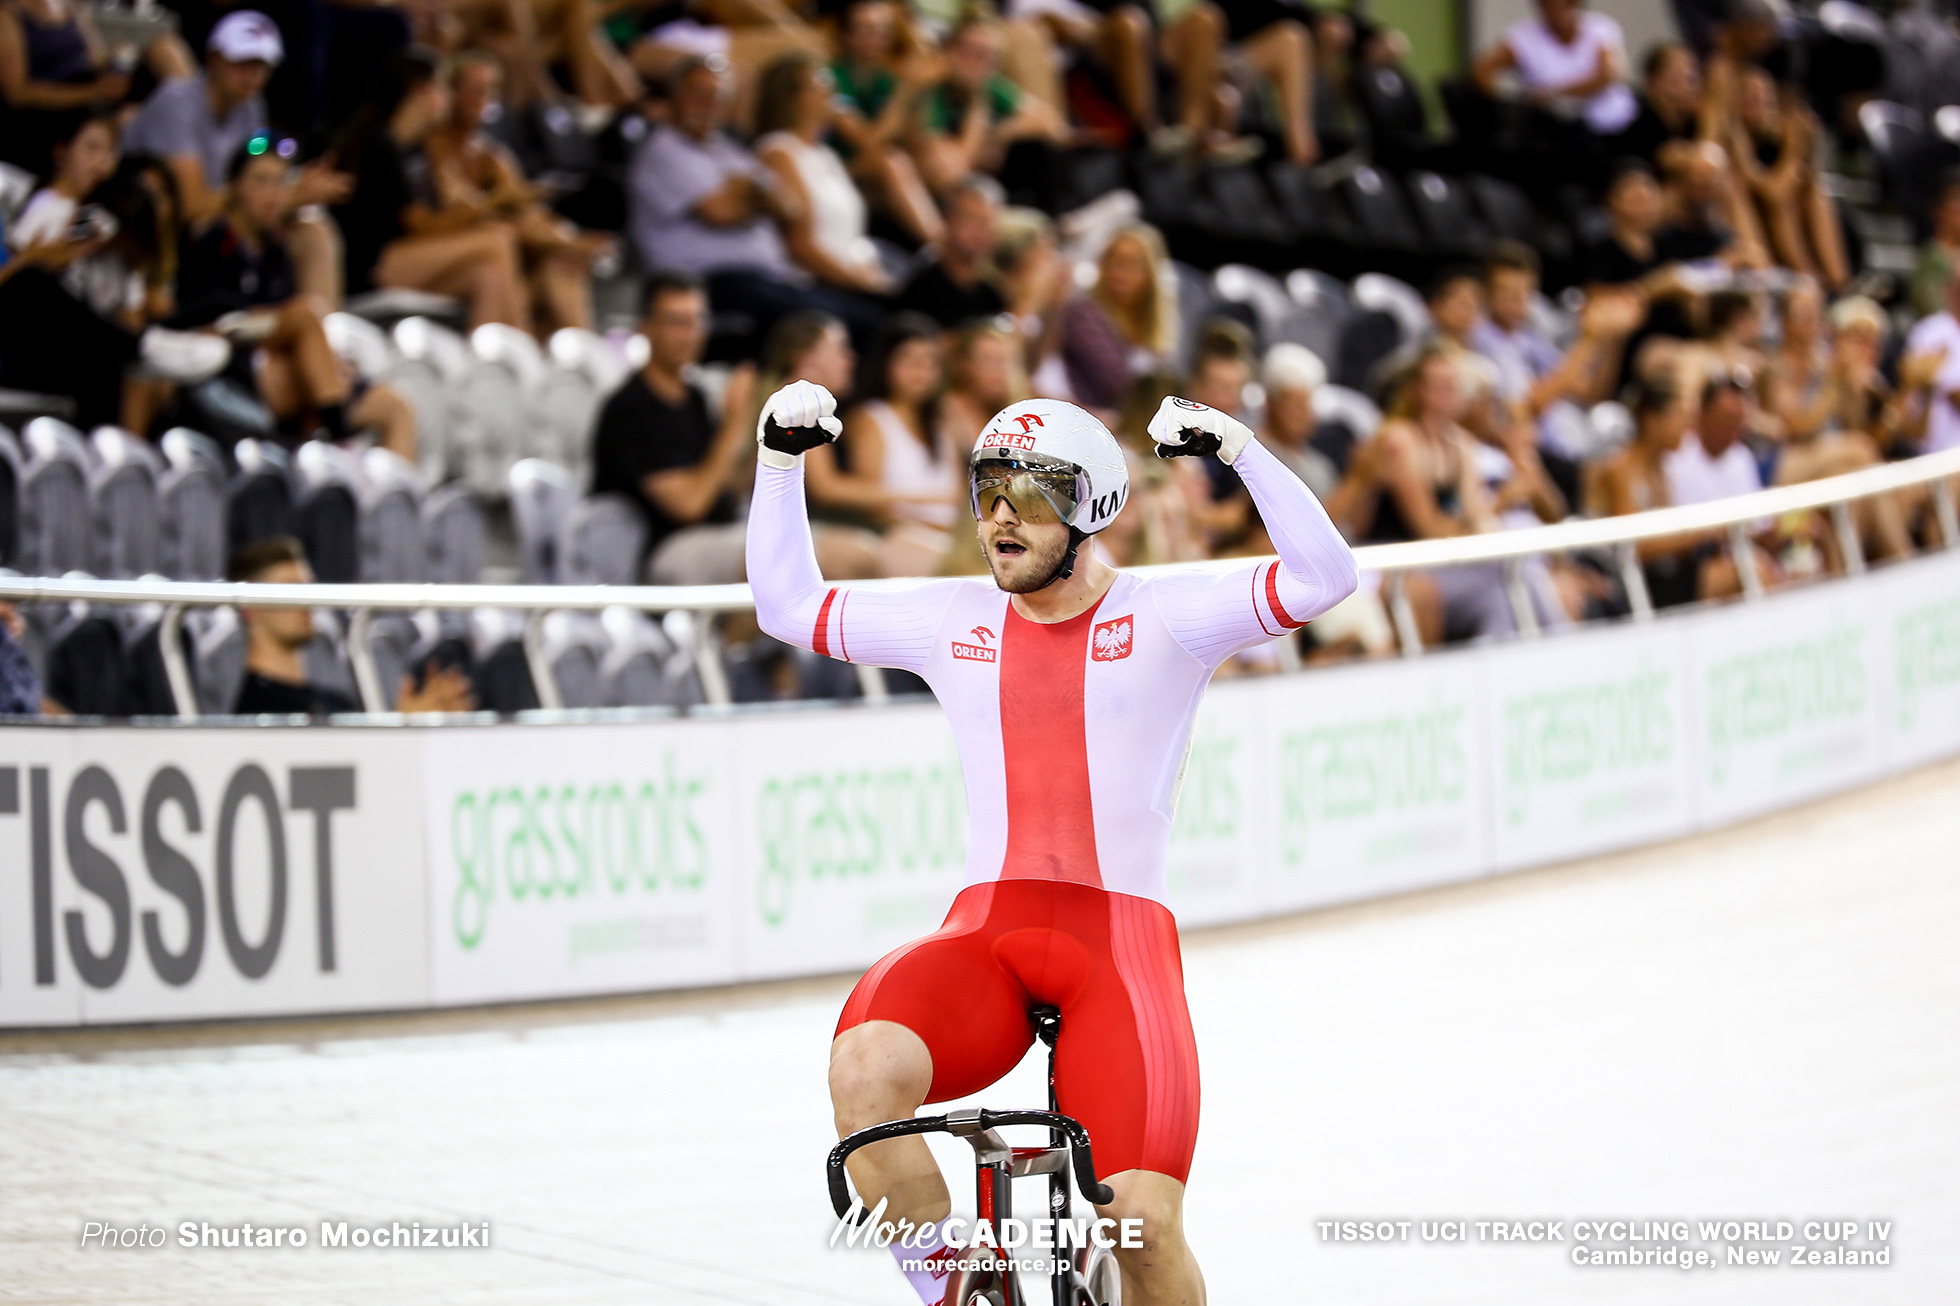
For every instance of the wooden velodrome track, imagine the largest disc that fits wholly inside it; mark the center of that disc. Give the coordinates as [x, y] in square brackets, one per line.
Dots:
[1760, 1023]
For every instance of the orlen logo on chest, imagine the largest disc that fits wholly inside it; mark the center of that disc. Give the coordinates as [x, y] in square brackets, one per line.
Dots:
[975, 652]
[1110, 641]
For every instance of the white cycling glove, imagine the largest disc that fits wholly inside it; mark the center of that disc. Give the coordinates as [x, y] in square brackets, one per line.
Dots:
[1184, 429]
[798, 417]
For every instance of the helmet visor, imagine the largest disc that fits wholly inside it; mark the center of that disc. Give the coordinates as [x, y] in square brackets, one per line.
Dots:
[1034, 492]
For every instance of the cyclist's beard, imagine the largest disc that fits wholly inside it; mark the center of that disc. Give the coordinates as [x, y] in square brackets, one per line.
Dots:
[1024, 573]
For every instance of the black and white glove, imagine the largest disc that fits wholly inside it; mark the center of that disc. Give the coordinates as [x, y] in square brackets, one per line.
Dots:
[1184, 429]
[797, 418]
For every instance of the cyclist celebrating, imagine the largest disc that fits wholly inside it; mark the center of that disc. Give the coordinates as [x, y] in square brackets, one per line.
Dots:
[1071, 690]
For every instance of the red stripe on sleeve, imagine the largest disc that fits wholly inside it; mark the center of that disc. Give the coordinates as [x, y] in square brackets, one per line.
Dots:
[1272, 600]
[821, 640]
[843, 645]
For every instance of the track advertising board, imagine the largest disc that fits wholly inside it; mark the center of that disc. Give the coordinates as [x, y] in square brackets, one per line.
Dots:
[183, 873]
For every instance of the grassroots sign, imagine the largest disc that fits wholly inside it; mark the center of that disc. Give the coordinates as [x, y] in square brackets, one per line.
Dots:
[564, 859]
[198, 872]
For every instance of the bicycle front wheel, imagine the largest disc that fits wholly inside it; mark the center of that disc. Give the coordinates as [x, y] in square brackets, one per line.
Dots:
[1099, 1283]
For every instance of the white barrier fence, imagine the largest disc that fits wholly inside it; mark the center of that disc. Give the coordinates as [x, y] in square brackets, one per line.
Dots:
[176, 873]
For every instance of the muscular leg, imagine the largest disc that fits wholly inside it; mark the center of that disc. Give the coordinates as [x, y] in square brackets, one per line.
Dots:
[1162, 1272]
[1283, 55]
[880, 1071]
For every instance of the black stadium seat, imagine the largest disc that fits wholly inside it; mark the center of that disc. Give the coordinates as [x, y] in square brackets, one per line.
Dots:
[1444, 211]
[10, 463]
[1385, 231]
[1397, 120]
[1904, 152]
[259, 501]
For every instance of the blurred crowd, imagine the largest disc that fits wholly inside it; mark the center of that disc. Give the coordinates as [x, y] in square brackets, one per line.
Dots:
[888, 198]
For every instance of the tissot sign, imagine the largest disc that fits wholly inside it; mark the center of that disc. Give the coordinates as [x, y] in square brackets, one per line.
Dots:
[177, 873]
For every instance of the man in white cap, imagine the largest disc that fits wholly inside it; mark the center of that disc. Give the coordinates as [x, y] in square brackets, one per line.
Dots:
[195, 125]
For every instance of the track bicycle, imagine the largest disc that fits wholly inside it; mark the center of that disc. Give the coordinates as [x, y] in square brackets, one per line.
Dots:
[1080, 1276]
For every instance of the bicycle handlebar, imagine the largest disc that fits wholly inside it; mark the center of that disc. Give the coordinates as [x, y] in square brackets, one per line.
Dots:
[1078, 1138]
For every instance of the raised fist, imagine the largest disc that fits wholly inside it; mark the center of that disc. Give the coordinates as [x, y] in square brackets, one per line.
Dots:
[1184, 429]
[798, 417]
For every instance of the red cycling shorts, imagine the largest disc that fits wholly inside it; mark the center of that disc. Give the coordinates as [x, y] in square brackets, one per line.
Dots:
[1126, 1065]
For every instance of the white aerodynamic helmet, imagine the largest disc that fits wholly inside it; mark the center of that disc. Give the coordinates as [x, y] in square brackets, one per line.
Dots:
[1050, 459]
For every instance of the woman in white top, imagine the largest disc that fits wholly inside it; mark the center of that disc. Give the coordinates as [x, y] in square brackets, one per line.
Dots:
[889, 469]
[826, 232]
[80, 234]
[1567, 55]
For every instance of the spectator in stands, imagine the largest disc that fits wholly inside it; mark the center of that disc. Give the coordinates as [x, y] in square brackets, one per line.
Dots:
[1126, 326]
[1810, 389]
[1222, 362]
[658, 444]
[110, 257]
[876, 101]
[1865, 400]
[1568, 59]
[1772, 143]
[1797, 389]
[54, 343]
[808, 346]
[20, 687]
[1712, 463]
[1940, 255]
[1673, 125]
[238, 277]
[1735, 333]
[1933, 358]
[1037, 283]
[984, 375]
[476, 180]
[891, 469]
[1678, 568]
[1546, 389]
[1642, 254]
[702, 204]
[58, 215]
[1273, 39]
[825, 232]
[1522, 492]
[276, 683]
[957, 286]
[532, 37]
[195, 125]
[398, 235]
[743, 36]
[1418, 478]
[972, 118]
[53, 62]
[1315, 450]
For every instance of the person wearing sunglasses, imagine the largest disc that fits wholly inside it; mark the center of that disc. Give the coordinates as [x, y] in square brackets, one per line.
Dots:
[1071, 690]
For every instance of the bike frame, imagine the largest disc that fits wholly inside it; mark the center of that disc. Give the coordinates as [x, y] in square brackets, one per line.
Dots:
[997, 1165]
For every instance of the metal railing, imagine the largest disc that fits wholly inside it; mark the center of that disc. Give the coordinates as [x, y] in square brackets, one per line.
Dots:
[1621, 535]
